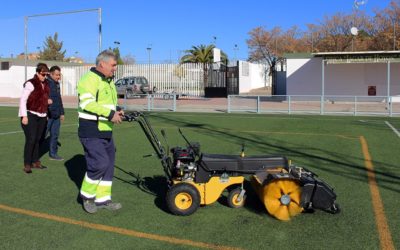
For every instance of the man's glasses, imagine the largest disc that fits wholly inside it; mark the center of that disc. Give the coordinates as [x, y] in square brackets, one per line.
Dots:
[44, 74]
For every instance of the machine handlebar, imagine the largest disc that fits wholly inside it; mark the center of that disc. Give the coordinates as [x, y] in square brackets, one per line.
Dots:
[132, 116]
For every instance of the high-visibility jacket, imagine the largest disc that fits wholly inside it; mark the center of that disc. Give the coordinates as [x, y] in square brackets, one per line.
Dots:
[97, 105]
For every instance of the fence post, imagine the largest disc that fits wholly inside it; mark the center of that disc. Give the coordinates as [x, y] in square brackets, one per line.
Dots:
[390, 106]
[322, 104]
[289, 105]
[258, 104]
[229, 103]
[148, 102]
[174, 103]
[355, 105]
[125, 101]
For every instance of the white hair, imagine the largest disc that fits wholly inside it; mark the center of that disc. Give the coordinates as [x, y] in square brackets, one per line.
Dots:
[104, 56]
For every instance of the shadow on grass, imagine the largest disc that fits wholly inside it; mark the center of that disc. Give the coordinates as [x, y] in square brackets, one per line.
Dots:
[252, 201]
[76, 168]
[156, 186]
[314, 154]
[44, 146]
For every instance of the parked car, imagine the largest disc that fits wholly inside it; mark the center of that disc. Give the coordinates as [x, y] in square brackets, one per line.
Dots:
[133, 86]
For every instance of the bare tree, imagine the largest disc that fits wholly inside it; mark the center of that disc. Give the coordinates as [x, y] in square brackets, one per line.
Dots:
[263, 45]
[333, 33]
[129, 59]
[385, 27]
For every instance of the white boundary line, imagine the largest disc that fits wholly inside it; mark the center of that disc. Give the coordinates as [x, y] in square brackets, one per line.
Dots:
[12, 132]
[21, 131]
[393, 128]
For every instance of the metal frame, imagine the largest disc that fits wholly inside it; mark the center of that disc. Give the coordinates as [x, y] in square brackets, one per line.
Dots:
[26, 18]
[355, 101]
[358, 57]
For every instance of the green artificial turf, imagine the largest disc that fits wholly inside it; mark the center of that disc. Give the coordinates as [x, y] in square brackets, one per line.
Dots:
[328, 145]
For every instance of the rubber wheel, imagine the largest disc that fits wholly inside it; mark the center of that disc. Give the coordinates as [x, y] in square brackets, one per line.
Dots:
[183, 199]
[282, 198]
[232, 198]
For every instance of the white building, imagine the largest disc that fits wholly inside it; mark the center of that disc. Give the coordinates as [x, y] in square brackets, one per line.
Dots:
[12, 75]
[189, 79]
[372, 73]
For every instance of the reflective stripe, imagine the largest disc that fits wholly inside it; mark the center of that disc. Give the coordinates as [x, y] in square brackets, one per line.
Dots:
[91, 117]
[105, 183]
[85, 95]
[87, 179]
[109, 106]
[103, 192]
[89, 187]
[89, 196]
[83, 104]
[103, 199]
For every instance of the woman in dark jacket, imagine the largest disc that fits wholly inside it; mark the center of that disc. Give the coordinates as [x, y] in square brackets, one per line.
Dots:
[33, 112]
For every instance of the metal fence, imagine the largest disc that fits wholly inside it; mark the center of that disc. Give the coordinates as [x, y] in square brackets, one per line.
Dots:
[284, 104]
[317, 105]
[70, 78]
[314, 104]
[181, 78]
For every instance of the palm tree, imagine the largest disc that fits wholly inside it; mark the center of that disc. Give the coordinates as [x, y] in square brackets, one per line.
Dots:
[202, 54]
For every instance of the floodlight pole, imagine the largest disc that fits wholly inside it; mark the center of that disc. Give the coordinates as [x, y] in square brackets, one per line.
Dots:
[53, 14]
[323, 87]
[388, 85]
[100, 28]
[26, 46]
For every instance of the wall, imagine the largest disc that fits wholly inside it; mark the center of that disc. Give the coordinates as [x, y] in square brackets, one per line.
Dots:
[186, 78]
[251, 76]
[11, 80]
[304, 77]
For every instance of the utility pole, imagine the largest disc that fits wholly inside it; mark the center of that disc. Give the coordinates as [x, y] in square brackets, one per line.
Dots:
[394, 34]
[149, 53]
[235, 49]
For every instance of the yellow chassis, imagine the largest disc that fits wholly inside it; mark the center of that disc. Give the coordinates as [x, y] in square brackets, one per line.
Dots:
[212, 190]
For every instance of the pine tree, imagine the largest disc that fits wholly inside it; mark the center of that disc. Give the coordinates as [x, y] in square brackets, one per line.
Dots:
[52, 49]
[118, 54]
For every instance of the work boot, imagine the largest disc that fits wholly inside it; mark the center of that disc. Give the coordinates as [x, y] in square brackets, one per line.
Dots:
[38, 165]
[89, 206]
[112, 206]
[27, 168]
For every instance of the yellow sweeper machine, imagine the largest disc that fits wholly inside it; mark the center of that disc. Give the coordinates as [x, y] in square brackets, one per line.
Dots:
[197, 179]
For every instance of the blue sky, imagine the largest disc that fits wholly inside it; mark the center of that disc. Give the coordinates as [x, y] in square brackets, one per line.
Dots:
[167, 26]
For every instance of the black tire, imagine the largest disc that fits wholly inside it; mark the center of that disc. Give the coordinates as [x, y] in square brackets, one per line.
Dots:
[232, 198]
[183, 199]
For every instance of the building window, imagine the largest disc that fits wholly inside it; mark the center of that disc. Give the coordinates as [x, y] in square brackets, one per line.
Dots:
[372, 90]
[5, 66]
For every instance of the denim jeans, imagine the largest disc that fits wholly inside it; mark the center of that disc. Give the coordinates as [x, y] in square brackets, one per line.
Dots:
[53, 127]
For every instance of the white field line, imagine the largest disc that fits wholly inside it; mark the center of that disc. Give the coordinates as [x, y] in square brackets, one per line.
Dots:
[12, 132]
[21, 131]
[393, 128]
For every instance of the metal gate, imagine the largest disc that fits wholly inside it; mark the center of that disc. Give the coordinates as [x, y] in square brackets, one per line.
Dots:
[222, 81]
